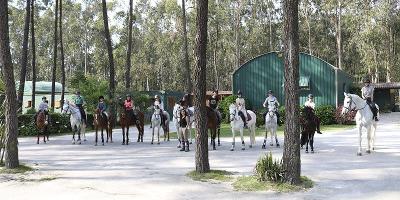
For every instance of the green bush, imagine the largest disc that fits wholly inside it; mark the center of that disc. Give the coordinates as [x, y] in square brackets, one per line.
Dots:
[269, 169]
[326, 114]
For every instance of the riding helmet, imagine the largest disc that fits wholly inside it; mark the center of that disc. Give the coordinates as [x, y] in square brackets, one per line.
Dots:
[157, 97]
[101, 97]
[128, 95]
[270, 92]
[310, 96]
[366, 80]
[239, 92]
[44, 98]
[78, 92]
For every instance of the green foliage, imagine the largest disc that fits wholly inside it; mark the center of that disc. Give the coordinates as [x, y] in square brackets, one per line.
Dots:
[269, 169]
[31, 111]
[91, 88]
[251, 183]
[224, 106]
[326, 114]
[218, 175]
[19, 170]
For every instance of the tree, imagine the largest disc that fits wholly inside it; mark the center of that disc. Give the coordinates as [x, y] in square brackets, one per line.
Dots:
[189, 87]
[109, 50]
[62, 55]
[11, 123]
[24, 57]
[129, 51]
[33, 47]
[237, 32]
[53, 73]
[199, 102]
[291, 154]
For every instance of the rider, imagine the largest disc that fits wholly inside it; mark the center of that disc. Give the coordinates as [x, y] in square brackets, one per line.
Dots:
[213, 103]
[43, 107]
[241, 106]
[102, 106]
[184, 124]
[272, 101]
[158, 102]
[367, 93]
[79, 101]
[311, 104]
[128, 105]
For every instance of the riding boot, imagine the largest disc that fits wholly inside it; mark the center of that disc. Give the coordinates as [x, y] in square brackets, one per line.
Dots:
[183, 146]
[187, 146]
[278, 118]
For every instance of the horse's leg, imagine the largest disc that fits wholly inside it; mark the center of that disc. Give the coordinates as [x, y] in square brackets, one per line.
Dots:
[190, 133]
[272, 137]
[38, 137]
[83, 129]
[158, 134]
[312, 142]
[96, 137]
[276, 138]
[241, 137]
[73, 134]
[308, 139]
[252, 136]
[123, 135]
[213, 136]
[152, 135]
[79, 134]
[102, 136]
[233, 139]
[373, 135]
[265, 139]
[359, 139]
[127, 135]
[218, 132]
[369, 139]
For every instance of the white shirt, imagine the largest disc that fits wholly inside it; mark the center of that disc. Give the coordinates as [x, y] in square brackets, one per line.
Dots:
[367, 91]
[271, 102]
[240, 102]
[159, 104]
[310, 104]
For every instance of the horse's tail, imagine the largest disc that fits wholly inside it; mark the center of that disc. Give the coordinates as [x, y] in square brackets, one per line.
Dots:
[303, 139]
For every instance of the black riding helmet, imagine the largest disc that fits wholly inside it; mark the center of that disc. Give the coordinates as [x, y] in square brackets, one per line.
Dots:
[311, 96]
[366, 80]
[44, 98]
[239, 92]
[101, 97]
[270, 92]
[128, 95]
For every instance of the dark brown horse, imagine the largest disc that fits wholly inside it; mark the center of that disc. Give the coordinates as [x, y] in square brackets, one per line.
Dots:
[101, 122]
[212, 125]
[42, 126]
[126, 120]
[308, 128]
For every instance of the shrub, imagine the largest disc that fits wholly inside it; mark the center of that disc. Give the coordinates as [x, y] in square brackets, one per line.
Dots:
[269, 169]
[326, 114]
[344, 119]
[260, 118]
[224, 106]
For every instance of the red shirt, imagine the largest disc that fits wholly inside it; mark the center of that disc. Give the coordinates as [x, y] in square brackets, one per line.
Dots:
[128, 104]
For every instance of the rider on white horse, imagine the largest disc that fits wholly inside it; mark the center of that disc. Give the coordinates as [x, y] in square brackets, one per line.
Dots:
[241, 106]
[311, 104]
[271, 102]
[367, 93]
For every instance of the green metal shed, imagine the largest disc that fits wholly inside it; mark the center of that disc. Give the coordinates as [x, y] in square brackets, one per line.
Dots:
[266, 72]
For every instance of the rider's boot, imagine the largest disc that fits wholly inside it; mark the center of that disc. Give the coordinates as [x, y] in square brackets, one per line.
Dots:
[183, 146]
[187, 146]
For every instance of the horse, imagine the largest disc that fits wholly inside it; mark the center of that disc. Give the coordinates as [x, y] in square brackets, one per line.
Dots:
[126, 121]
[364, 118]
[156, 123]
[102, 122]
[308, 128]
[165, 125]
[76, 121]
[212, 125]
[271, 124]
[42, 126]
[237, 124]
[175, 119]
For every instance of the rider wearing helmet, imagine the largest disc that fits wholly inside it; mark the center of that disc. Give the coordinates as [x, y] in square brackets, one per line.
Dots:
[213, 103]
[158, 102]
[128, 105]
[102, 106]
[79, 101]
[367, 93]
[272, 101]
[241, 106]
[311, 104]
[43, 107]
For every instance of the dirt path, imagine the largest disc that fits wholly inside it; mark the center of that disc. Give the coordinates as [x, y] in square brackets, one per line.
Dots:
[142, 171]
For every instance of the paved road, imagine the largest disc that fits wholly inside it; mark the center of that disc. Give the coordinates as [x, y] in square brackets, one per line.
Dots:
[142, 171]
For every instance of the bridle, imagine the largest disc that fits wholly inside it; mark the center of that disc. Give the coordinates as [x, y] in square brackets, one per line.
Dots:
[232, 115]
[355, 105]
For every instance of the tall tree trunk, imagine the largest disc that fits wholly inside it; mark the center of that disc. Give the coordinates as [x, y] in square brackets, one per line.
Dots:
[269, 24]
[237, 33]
[339, 34]
[291, 154]
[390, 57]
[129, 52]
[201, 157]
[62, 57]
[54, 71]
[186, 66]
[110, 55]
[33, 47]
[11, 123]
[24, 57]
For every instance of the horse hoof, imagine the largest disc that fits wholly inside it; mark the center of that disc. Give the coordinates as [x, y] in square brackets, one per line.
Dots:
[271, 144]
[263, 146]
[232, 149]
[103, 143]
[368, 151]
[151, 143]
[179, 146]
[190, 142]
[306, 151]
[37, 142]
[79, 143]
[219, 144]
[214, 148]
[277, 145]
[250, 146]
[158, 143]
[373, 148]
[73, 142]
[123, 143]
[85, 140]
[243, 148]
[95, 144]
[359, 154]
[312, 151]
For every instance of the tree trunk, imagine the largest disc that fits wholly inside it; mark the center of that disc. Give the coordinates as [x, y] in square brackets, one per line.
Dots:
[339, 34]
[33, 47]
[62, 57]
[110, 51]
[11, 123]
[390, 57]
[270, 25]
[186, 65]
[24, 57]
[201, 157]
[291, 154]
[129, 51]
[54, 71]
[237, 33]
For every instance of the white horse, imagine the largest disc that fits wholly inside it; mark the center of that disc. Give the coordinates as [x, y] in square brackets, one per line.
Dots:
[76, 121]
[364, 118]
[156, 123]
[237, 124]
[271, 124]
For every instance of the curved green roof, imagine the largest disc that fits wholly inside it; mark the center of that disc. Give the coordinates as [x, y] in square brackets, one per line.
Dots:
[41, 87]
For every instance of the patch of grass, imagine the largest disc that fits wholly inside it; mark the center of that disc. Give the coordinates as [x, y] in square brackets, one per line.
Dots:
[336, 127]
[251, 184]
[216, 175]
[43, 179]
[19, 170]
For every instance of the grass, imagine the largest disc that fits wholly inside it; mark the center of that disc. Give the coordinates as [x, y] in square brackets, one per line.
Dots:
[43, 179]
[227, 132]
[19, 170]
[250, 183]
[215, 175]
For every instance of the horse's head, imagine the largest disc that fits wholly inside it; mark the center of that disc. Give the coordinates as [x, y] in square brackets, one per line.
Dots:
[271, 111]
[348, 103]
[66, 107]
[232, 112]
[307, 112]
[157, 110]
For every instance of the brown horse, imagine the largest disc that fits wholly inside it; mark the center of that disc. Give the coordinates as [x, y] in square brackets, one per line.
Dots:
[126, 121]
[308, 128]
[101, 122]
[212, 125]
[42, 126]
